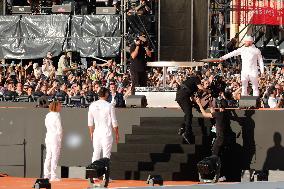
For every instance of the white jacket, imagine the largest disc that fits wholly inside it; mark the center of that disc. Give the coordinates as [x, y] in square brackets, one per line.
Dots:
[250, 56]
[53, 128]
[102, 115]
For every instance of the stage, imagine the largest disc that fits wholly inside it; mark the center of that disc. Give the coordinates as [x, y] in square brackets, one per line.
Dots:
[149, 143]
[27, 183]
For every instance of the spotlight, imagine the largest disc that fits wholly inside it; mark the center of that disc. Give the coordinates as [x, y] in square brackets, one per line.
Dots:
[98, 169]
[155, 179]
[42, 183]
[209, 169]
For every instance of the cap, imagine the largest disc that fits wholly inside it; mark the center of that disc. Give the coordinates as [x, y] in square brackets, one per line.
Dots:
[248, 38]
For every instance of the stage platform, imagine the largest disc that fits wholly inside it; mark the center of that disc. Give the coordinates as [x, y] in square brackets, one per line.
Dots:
[27, 183]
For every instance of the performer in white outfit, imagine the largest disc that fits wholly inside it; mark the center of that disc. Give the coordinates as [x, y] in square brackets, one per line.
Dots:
[52, 140]
[250, 56]
[101, 122]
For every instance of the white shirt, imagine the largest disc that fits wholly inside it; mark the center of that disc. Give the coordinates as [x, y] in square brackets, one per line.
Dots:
[272, 102]
[37, 72]
[250, 56]
[47, 68]
[102, 115]
[53, 127]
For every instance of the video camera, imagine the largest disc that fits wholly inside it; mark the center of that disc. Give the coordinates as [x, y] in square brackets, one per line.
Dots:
[142, 39]
[217, 86]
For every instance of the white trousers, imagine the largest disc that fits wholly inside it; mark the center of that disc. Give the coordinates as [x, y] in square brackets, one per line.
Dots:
[245, 78]
[101, 144]
[51, 159]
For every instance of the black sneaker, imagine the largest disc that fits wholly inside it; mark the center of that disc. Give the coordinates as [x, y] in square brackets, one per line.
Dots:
[181, 131]
[188, 138]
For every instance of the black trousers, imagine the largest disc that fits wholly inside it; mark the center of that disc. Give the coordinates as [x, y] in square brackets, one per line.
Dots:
[218, 141]
[138, 79]
[186, 106]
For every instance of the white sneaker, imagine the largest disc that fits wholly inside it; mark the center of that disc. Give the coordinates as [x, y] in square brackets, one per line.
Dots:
[46, 177]
[54, 179]
[222, 179]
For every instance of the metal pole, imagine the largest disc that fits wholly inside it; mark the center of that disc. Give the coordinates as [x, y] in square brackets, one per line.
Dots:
[191, 32]
[4, 7]
[124, 34]
[159, 30]
[25, 159]
[208, 29]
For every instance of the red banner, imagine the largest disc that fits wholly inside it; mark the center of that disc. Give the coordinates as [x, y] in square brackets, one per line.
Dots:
[269, 12]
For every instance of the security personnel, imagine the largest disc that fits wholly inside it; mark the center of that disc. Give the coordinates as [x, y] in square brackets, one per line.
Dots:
[52, 140]
[250, 56]
[101, 121]
[184, 98]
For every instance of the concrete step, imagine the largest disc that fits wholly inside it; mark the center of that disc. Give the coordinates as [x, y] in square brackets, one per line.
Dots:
[145, 166]
[148, 157]
[136, 175]
[167, 130]
[171, 121]
[158, 139]
[153, 139]
[156, 148]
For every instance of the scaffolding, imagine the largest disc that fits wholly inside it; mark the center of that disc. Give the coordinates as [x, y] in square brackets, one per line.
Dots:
[219, 27]
[231, 20]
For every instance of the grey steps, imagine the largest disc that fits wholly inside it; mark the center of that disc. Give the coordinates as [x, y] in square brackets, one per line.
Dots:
[146, 166]
[142, 175]
[170, 121]
[159, 139]
[153, 139]
[156, 148]
[160, 121]
[148, 157]
[167, 130]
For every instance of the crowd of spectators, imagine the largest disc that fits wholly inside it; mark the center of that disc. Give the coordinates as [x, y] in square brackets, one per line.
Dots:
[61, 79]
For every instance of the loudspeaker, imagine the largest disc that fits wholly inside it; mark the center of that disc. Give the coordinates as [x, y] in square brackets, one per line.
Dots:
[209, 169]
[136, 101]
[248, 102]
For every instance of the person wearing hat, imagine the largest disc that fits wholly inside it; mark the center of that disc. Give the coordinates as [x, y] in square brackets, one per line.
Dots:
[250, 57]
[184, 98]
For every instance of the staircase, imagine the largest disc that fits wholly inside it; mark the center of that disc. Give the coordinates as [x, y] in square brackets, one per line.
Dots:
[155, 148]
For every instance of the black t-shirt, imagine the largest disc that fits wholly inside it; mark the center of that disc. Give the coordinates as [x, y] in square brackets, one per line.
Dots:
[139, 63]
[223, 122]
[188, 87]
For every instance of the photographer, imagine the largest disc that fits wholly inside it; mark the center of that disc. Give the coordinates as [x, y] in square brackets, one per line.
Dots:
[139, 51]
[184, 98]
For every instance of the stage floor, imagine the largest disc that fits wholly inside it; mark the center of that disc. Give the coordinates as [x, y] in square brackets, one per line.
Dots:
[27, 183]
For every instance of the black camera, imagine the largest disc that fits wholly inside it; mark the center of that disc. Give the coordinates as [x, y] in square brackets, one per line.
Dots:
[217, 86]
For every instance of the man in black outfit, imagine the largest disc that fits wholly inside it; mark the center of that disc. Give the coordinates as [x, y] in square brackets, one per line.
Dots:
[138, 63]
[184, 98]
[222, 123]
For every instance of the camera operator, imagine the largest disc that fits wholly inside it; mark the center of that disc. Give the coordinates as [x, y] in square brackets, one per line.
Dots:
[139, 52]
[184, 98]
